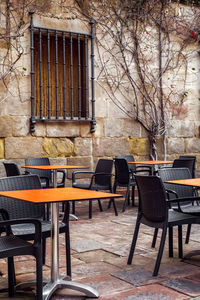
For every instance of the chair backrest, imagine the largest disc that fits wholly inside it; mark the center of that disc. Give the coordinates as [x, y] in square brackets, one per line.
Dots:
[129, 158]
[122, 175]
[152, 199]
[175, 174]
[11, 169]
[38, 161]
[18, 209]
[184, 163]
[193, 158]
[104, 166]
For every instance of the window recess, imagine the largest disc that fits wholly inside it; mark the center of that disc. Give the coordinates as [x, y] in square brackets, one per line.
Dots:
[60, 86]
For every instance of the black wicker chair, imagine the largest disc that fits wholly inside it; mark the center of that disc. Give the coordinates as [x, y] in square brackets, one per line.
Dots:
[45, 175]
[185, 163]
[154, 212]
[193, 158]
[100, 179]
[133, 169]
[125, 177]
[11, 169]
[21, 209]
[181, 191]
[11, 245]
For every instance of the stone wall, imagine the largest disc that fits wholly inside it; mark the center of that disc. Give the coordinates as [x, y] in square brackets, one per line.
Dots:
[73, 143]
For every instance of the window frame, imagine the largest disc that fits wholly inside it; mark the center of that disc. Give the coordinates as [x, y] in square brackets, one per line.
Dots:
[90, 109]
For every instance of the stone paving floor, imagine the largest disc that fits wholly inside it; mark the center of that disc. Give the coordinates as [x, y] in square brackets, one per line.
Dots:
[99, 251]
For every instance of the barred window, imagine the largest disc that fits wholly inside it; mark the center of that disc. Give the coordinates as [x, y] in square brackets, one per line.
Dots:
[60, 76]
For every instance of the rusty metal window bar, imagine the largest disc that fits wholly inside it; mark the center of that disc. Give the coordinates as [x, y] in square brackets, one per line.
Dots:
[59, 76]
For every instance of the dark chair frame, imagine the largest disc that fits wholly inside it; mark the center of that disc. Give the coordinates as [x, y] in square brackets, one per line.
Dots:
[21, 209]
[11, 245]
[154, 212]
[125, 177]
[11, 169]
[100, 179]
[180, 192]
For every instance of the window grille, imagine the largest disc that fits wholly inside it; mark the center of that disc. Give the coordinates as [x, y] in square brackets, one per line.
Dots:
[59, 76]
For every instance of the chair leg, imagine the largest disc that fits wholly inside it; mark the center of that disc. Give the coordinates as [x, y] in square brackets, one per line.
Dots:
[100, 205]
[132, 249]
[126, 199]
[180, 242]
[43, 250]
[90, 209]
[160, 252]
[188, 233]
[154, 238]
[133, 195]
[115, 206]
[11, 277]
[171, 242]
[39, 276]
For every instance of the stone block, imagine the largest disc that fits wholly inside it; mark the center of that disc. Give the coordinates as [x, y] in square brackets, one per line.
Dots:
[13, 106]
[83, 146]
[79, 161]
[85, 130]
[22, 147]
[175, 145]
[57, 147]
[181, 129]
[21, 126]
[63, 129]
[115, 112]
[110, 147]
[2, 148]
[99, 128]
[113, 128]
[6, 123]
[131, 128]
[192, 145]
[139, 146]
[40, 129]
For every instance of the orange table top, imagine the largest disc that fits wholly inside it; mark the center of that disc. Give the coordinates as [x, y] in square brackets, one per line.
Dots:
[57, 195]
[55, 167]
[152, 162]
[191, 182]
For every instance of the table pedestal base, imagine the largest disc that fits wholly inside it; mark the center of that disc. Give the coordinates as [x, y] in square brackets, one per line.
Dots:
[50, 288]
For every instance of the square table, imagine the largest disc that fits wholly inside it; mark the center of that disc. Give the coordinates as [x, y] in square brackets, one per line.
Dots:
[152, 163]
[54, 196]
[54, 169]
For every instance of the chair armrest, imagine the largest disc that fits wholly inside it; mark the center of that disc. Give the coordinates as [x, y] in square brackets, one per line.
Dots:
[183, 199]
[98, 174]
[35, 222]
[75, 173]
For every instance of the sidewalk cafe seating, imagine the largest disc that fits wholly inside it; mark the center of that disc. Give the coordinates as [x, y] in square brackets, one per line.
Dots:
[21, 209]
[99, 180]
[125, 177]
[134, 169]
[45, 175]
[181, 191]
[154, 211]
[11, 246]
